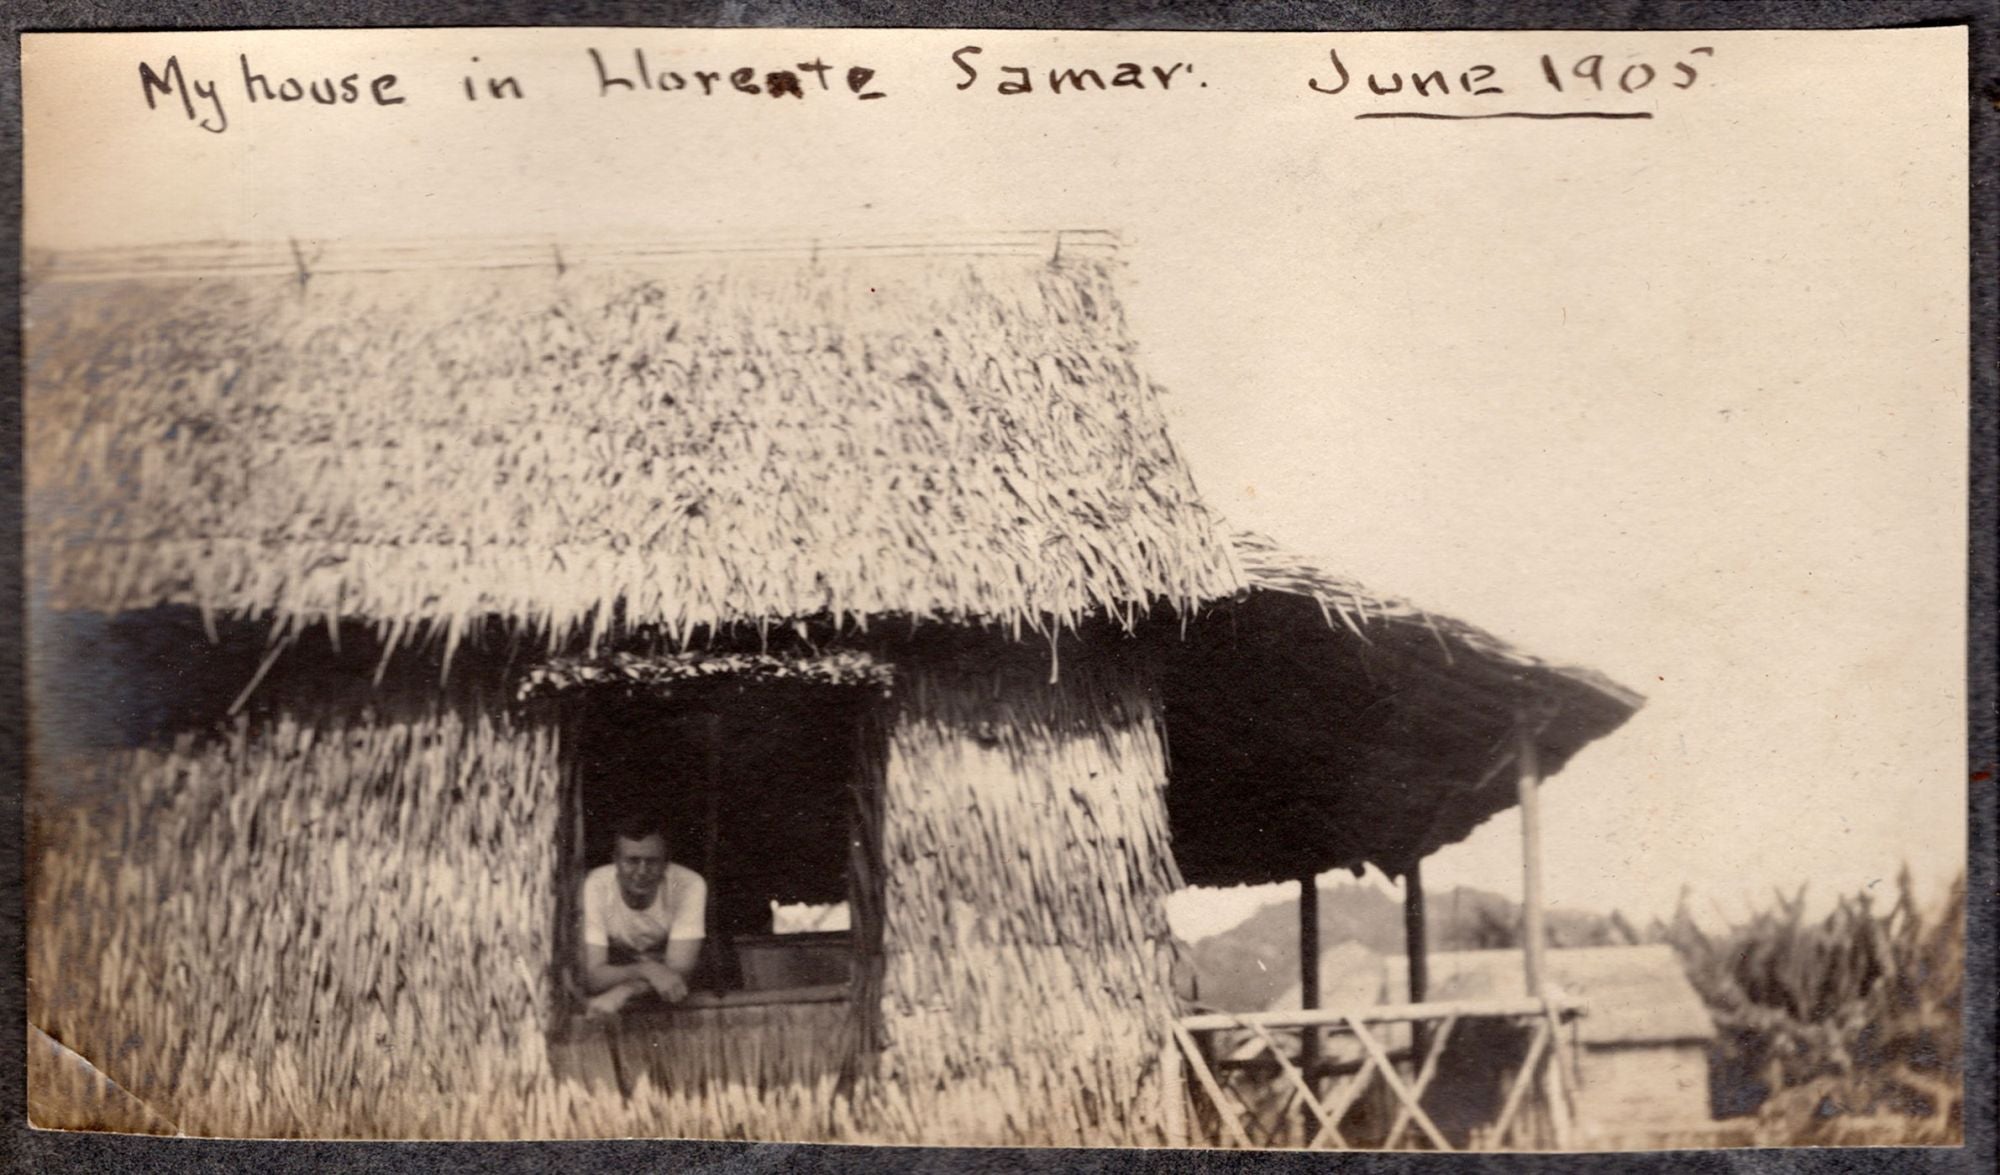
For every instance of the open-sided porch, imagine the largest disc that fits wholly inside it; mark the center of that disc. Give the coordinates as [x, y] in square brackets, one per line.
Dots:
[1291, 1087]
[1387, 735]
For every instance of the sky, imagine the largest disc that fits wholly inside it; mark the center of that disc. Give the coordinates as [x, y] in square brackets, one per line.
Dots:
[1681, 398]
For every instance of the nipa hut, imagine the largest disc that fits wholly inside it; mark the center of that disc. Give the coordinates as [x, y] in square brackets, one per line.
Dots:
[875, 565]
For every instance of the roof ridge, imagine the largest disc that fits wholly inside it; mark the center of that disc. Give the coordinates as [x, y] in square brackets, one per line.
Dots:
[550, 250]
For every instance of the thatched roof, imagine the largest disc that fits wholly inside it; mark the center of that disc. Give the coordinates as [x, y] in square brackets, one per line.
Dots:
[670, 436]
[1316, 724]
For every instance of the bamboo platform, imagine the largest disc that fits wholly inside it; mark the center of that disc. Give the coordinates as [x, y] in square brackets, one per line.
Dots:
[1317, 1104]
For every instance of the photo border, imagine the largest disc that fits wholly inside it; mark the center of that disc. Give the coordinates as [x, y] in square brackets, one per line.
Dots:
[24, 1149]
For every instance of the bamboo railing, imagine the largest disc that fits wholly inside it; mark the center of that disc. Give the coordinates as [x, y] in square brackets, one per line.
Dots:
[1230, 1082]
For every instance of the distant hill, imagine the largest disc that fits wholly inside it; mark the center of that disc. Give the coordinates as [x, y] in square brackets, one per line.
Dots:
[1244, 968]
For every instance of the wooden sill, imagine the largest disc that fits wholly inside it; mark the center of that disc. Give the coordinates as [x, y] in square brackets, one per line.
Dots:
[824, 994]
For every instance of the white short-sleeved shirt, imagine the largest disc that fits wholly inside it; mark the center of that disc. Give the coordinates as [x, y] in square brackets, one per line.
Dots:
[675, 915]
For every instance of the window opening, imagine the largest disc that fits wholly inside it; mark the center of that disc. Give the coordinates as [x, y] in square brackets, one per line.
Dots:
[754, 784]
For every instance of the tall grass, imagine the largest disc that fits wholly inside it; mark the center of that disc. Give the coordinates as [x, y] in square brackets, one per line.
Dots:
[1845, 1030]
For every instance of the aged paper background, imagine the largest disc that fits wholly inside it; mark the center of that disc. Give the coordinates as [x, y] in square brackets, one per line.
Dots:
[1681, 398]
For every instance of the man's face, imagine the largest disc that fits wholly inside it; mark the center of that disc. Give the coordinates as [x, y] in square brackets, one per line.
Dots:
[641, 864]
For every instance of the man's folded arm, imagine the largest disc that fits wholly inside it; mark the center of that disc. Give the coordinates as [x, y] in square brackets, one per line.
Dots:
[599, 973]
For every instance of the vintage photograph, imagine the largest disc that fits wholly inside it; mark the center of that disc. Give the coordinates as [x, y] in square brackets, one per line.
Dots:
[953, 587]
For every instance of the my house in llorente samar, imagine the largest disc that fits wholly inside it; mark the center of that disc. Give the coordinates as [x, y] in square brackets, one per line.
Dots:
[874, 564]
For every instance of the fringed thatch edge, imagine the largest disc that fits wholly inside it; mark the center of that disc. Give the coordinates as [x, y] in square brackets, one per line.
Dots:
[662, 672]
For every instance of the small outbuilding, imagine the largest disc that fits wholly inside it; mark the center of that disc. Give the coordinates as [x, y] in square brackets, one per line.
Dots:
[1644, 1042]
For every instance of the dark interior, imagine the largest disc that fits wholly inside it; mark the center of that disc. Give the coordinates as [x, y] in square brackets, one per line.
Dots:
[755, 783]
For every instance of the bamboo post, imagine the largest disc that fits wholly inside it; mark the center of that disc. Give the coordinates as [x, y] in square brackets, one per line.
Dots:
[579, 846]
[711, 723]
[570, 871]
[1533, 931]
[1308, 944]
[1415, 945]
[1173, 1094]
[1417, 951]
[1555, 1086]
[1308, 981]
[717, 946]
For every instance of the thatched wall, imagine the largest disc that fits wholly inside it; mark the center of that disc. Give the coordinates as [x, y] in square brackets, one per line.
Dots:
[308, 926]
[1026, 955]
[321, 923]
[345, 925]
[672, 441]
